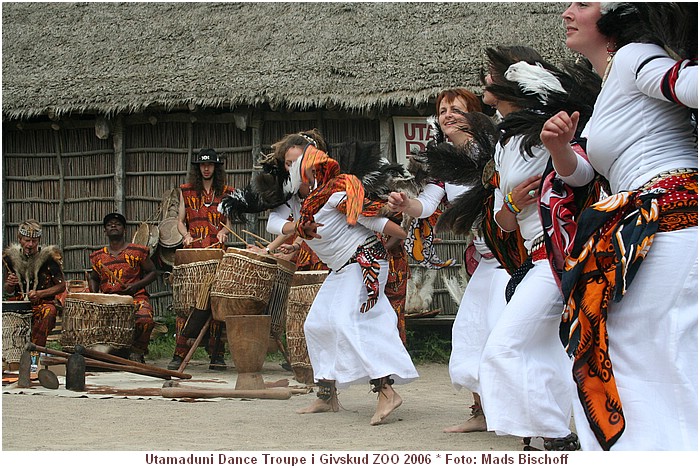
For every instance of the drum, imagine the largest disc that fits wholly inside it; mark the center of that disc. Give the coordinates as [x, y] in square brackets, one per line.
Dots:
[247, 339]
[148, 235]
[243, 284]
[168, 234]
[92, 319]
[302, 292]
[277, 307]
[191, 270]
[77, 286]
[16, 331]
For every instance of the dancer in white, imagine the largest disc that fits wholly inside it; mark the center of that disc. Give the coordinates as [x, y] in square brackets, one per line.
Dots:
[638, 386]
[351, 330]
[484, 297]
[524, 372]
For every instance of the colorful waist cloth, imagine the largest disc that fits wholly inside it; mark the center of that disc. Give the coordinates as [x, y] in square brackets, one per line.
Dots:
[368, 256]
[613, 238]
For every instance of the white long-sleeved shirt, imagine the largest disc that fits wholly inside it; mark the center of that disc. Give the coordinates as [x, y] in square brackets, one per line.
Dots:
[514, 168]
[339, 240]
[635, 133]
[430, 199]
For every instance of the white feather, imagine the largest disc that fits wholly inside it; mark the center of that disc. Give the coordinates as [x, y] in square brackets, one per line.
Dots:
[294, 182]
[534, 79]
[607, 7]
[419, 290]
[456, 285]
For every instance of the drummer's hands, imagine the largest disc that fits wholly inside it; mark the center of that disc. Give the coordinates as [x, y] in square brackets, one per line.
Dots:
[256, 249]
[284, 256]
[34, 296]
[187, 239]
[288, 249]
[11, 281]
[310, 229]
[221, 236]
[128, 290]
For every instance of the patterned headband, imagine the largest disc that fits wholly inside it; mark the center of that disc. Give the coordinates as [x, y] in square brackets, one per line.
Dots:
[309, 139]
[29, 231]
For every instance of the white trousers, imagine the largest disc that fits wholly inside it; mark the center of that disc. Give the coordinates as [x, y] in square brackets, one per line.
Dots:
[479, 311]
[525, 374]
[653, 336]
[351, 347]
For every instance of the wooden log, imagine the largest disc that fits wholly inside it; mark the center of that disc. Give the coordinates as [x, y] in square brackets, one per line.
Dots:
[119, 360]
[133, 368]
[178, 391]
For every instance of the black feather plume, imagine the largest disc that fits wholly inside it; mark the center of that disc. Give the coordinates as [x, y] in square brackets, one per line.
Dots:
[364, 160]
[465, 212]
[464, 165]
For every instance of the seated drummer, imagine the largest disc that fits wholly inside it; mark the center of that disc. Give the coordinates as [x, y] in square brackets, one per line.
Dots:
[125, 268]
[202, 226]
[34, 273]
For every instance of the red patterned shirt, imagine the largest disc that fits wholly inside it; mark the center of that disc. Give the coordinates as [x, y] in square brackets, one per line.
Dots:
[202, 216]
[117, 272]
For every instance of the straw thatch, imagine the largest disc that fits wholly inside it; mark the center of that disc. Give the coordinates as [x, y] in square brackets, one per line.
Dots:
[61, 58]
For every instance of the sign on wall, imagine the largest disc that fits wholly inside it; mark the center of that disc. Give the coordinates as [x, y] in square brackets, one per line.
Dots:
[411, 134]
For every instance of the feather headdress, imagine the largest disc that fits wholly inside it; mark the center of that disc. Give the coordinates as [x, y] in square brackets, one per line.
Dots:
[267, 189]
[534, 79]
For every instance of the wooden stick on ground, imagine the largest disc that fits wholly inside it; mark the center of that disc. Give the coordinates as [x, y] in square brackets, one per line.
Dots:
[125, 365]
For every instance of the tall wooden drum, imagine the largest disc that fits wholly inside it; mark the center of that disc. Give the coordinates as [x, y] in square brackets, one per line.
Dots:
[277, 307]
[191, 270]
[243, 284]
[16, 331]
[302, 292]
[95, 319]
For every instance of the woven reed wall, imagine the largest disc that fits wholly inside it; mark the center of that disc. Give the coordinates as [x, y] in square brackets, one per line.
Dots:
[67, 178]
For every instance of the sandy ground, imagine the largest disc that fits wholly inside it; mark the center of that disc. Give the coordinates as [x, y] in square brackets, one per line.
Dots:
[49, 422]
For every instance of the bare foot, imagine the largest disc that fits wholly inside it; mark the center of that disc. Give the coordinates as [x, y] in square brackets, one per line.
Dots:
[476, 423]
[387, 402]
[320, 406]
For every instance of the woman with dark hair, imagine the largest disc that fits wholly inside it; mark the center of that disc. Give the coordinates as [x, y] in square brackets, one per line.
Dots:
[351, 330]
[524, 371]
[634, 343]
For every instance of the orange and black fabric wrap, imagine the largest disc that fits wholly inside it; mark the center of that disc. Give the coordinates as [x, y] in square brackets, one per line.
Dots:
[613, 238]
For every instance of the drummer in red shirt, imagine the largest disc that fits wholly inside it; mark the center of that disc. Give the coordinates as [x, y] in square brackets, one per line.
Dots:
[202, 226]
[125, 268]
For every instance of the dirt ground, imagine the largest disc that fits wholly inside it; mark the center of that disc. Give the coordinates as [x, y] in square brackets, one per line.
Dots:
[108, 422]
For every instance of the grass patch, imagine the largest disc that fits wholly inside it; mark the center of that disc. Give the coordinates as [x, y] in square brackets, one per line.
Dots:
[428, 347]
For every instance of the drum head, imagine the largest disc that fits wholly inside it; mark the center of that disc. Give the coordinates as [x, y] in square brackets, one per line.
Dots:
[168, 234]
[167, 255]
[185, 256]
[99, 298]
[18, 307]
[302, 278]
[148, 235]
[251, 254]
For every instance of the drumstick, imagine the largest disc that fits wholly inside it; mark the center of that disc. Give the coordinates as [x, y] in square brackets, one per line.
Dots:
[237, 236]
[21, 287]
[112, 275]
[256, 236]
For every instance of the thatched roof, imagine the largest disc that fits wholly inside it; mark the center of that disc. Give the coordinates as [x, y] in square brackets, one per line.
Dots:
[124, 57]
